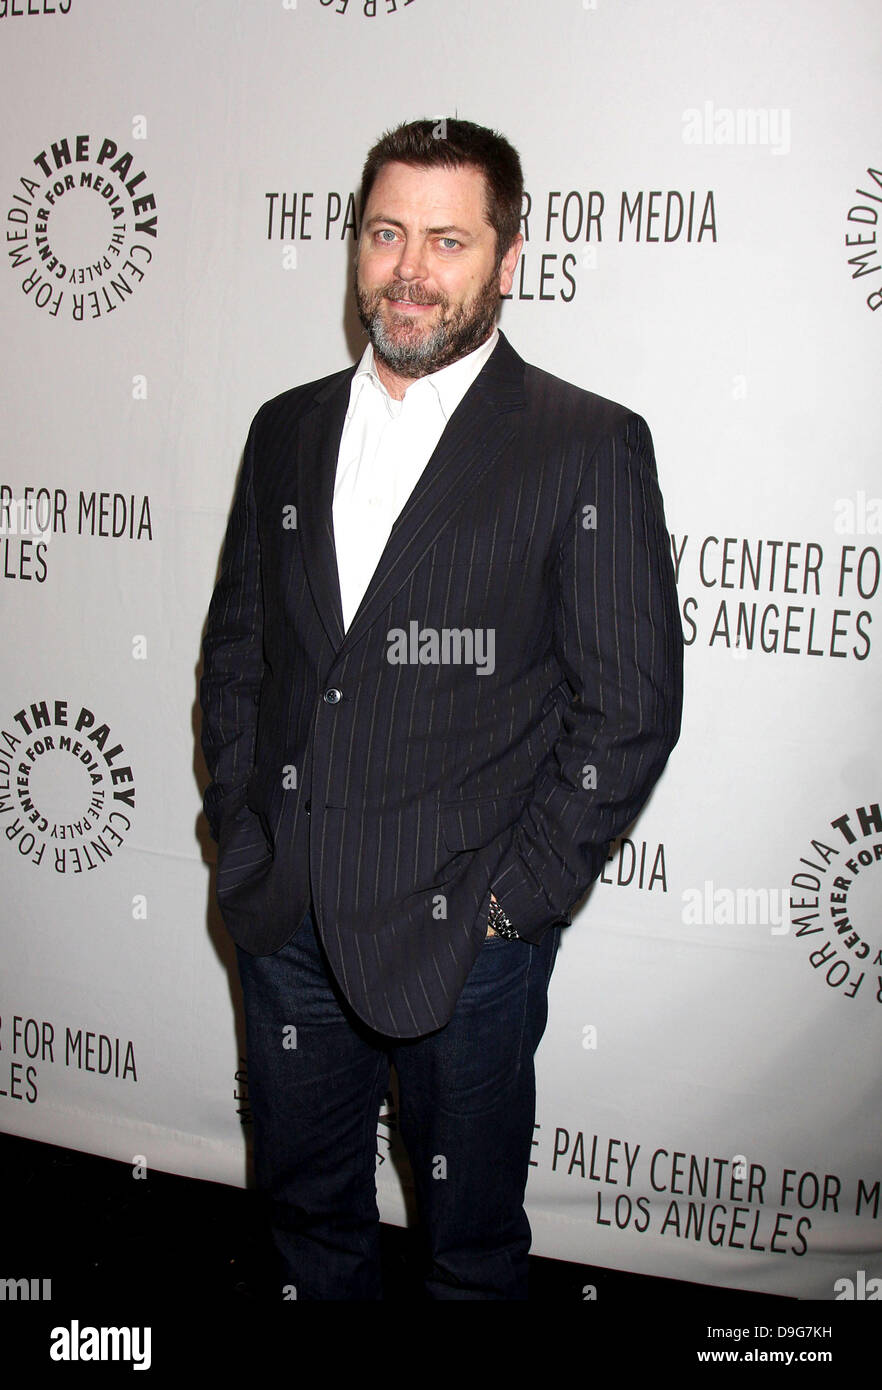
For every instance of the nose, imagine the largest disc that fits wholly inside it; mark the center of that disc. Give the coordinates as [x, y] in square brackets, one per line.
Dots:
[411, 263]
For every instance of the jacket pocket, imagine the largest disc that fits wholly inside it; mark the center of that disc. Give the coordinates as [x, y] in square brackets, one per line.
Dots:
[473, 824]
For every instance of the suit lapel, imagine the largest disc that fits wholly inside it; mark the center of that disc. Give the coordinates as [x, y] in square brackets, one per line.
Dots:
[476, 433]
[317, 446]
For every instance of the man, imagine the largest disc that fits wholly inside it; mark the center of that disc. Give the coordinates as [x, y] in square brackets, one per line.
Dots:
[442, 671]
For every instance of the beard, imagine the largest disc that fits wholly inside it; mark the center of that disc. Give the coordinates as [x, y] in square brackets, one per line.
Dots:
[405, 347]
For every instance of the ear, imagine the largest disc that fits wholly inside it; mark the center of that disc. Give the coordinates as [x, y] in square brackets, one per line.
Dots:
[509, 261]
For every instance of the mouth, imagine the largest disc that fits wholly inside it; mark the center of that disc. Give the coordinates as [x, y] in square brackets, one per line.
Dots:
[408, 306]
[401, 298]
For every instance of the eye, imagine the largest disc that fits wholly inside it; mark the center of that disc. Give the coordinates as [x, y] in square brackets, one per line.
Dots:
[449, 243]
[386, 235]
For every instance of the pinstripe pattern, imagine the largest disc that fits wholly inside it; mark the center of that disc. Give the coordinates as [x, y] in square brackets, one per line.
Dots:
[427, 785]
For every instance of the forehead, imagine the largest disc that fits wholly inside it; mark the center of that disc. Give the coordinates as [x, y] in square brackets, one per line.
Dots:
[430, 197]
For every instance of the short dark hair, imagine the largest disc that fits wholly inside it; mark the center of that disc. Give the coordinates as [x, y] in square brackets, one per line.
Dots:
[453, 144]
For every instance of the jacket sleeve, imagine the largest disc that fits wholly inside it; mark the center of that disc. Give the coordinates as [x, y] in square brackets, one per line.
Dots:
[232, 648]
[618, 638]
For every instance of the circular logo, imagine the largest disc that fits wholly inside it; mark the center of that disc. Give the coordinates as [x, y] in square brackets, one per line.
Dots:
[66, 790]
[82, 228]
[365, 9]
[832, 900]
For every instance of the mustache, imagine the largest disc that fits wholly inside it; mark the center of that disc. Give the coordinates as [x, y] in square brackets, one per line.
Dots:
[402, 294]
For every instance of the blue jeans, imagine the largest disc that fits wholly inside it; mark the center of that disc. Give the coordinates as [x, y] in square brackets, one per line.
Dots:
[467, 1100]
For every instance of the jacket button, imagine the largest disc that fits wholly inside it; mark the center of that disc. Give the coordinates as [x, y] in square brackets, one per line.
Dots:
[332, 696]
[307, 806]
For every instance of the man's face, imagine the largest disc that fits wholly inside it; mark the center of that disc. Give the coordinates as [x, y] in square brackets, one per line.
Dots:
[426, 281]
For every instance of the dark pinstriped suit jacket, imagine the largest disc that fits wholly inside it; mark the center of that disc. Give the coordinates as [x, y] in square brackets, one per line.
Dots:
[396, 795]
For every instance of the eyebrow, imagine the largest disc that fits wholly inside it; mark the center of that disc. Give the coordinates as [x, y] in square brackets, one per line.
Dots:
[434, 231]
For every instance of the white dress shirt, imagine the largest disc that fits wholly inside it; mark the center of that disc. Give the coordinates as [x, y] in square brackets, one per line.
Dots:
[384, 448]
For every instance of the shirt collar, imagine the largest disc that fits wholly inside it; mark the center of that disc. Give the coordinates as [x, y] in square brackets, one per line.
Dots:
[449, 383]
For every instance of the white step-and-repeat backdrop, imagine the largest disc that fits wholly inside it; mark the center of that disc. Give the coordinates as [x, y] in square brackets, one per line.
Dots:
[702, 243]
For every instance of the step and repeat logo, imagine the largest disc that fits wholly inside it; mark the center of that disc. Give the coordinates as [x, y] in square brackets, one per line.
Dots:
[362, 9]
[567, 232]
[67, 792]
[33, 515]
[778, 597]
[834, 903]
[862, 237]
[24, 9]
[81, 227]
